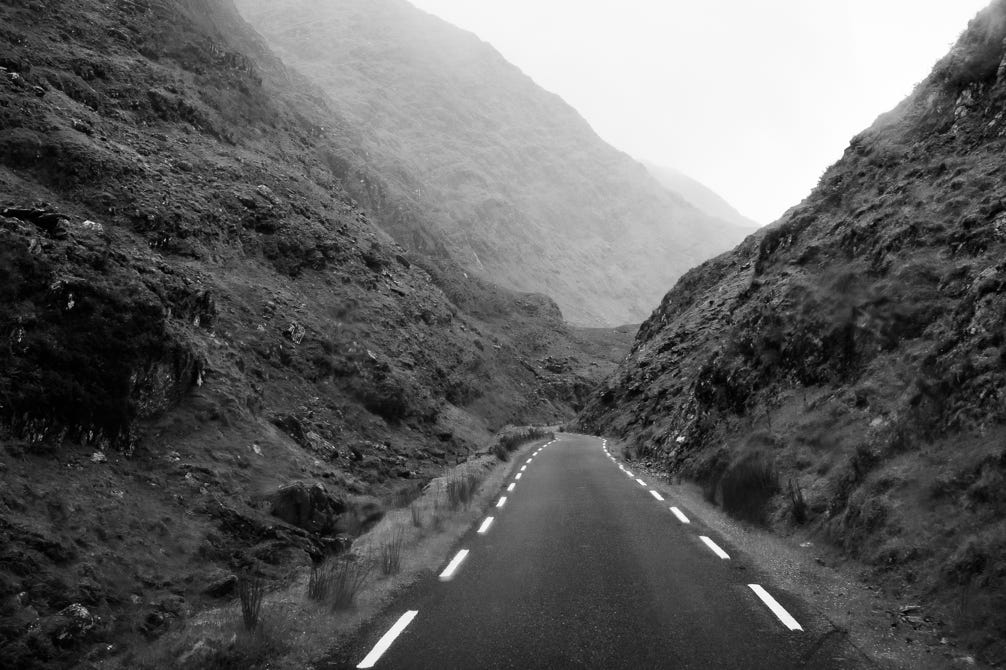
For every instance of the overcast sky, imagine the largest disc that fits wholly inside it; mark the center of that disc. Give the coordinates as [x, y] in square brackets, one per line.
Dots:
[754, 99]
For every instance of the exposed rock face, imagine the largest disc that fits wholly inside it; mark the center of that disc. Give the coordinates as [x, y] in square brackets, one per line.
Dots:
[514, 183]
[857, 347]
[308, 506]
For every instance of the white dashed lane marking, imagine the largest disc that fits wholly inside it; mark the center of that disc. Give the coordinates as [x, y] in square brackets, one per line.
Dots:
[452, 567]
[785, 617]
[510, 488]
[681, 517]
[657, 495]
[502, 501]
[640, 482]
[385, 642]
[484, 528]
[519, 475]
[715, 547]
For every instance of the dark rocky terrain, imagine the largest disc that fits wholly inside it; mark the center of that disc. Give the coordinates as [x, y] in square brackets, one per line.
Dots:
[195, 312]
[518, 187]
[844, 369]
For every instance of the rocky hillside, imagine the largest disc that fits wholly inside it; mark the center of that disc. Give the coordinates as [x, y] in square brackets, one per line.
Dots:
[519, 188]
[699, 195]
[845, 367]
[195, 313]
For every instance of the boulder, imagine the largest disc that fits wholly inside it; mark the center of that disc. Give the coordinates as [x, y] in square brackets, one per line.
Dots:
[308, 506]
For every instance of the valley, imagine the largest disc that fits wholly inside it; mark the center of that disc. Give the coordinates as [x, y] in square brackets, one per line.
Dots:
[327, 306]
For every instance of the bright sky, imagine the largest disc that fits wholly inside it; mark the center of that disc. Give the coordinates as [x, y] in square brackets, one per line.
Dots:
[754, 99]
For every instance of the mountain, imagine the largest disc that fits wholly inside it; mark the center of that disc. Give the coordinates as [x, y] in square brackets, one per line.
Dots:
[843, 368]
[699, 195]
[197, 316]
[516, 185]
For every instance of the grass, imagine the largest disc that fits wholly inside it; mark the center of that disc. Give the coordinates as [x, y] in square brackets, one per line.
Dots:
[349, 575]
[512, 439]
[312, 625]
[251, 590]
[319, 583]
[391, 553]
[798, 505]
[460, 488]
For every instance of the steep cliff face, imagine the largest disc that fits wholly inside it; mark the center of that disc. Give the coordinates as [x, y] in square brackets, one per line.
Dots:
[845, 367]
[519, 188]
[194, 312]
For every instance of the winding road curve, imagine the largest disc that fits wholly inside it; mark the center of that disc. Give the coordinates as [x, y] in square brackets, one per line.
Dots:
[584, 565]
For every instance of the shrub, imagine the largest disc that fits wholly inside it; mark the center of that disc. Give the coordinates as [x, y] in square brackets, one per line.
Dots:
[500, 451]
[391, 554]
[747, 486]
[798, 505]
[251, 590]
[417, 515]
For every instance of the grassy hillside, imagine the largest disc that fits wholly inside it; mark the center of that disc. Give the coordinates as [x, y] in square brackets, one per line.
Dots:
[518, 187]
[195, 313]
[843, 369]
[699, 195]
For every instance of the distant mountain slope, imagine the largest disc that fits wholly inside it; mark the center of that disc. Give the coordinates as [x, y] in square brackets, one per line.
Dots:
[513, 181]
[845, 368]
[699, 195]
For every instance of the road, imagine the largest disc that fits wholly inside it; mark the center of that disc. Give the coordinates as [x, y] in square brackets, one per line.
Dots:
[584, 566]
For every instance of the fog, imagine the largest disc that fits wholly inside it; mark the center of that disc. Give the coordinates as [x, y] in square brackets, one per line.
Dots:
[753, 99]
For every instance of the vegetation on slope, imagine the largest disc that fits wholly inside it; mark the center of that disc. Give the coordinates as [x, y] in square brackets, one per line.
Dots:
[699, 195]
[855, 351]
[213, 361]
[517, 186]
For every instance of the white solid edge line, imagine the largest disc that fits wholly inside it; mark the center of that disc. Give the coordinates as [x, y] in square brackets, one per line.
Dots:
[715, 547]
[510, 488]
[448, 572]
[640, 482]
[501, 502]
[382, 645]
[656, 495]
[785, 617]
[484, 528]
[681, 516]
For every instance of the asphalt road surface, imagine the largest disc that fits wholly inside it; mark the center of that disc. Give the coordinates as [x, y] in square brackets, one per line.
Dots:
[585, 566]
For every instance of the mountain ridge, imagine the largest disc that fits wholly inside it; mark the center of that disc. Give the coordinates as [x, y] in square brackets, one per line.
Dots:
[508, 174]
[699, 195]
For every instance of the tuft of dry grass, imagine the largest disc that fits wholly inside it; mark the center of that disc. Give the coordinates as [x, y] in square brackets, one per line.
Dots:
[391, 553]
[349, 575]
[319, 583]
[251, 590]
